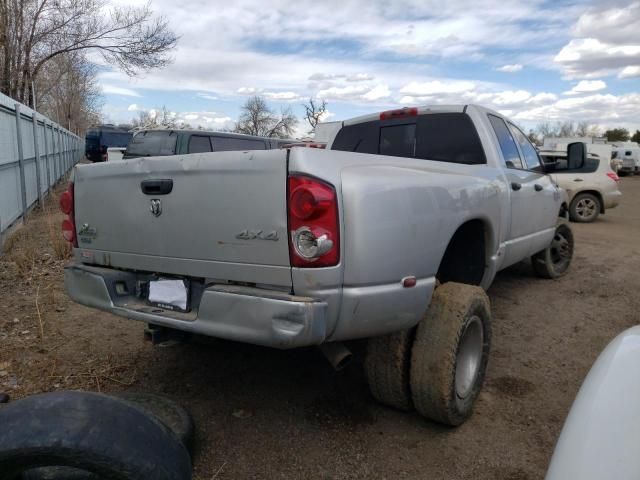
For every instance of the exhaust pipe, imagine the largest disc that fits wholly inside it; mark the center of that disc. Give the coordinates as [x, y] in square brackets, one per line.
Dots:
[337, 354]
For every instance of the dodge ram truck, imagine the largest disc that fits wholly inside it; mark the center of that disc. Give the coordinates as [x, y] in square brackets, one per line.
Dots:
[392, 233]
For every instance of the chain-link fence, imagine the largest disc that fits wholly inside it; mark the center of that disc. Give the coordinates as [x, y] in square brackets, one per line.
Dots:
[35, 153]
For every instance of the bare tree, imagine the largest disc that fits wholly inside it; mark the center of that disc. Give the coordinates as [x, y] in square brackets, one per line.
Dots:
[567, 129]
[258, 119]
[156, 118]
[68, 92]
[545, 129]
[34, 32]
[314, 111]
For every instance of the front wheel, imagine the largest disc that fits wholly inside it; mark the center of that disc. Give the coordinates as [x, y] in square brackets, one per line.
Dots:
[450, 353]
[585, 208]
[554, 261]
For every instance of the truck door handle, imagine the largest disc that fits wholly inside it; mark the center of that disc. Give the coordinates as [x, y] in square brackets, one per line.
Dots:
[161, 186]
[516, 186]
[578, 180]
[538, 188]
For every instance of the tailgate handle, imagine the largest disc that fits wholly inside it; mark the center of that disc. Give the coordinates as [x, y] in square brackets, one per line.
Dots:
[157, 187]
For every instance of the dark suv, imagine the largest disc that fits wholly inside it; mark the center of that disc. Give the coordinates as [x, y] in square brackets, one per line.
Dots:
[153, 143]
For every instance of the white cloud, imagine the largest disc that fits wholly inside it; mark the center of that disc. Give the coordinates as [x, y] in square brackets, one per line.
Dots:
[248, 90]
[114, 90]
[326, 115]
[286, 96]
[587, 86]
[377, 93]
[516, 67]
[543, 97]
[601, 109]
[606, 40]
[510, 97]
[134, 107]
[435, 87]
[589, 57]
[632, 71]
[359, 77]
[319, 77]
[207, 96]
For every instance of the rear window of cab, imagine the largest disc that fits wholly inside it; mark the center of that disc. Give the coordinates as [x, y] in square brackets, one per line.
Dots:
[445, 137]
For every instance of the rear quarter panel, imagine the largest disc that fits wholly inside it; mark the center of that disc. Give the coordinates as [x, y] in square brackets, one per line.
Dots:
[397, 218]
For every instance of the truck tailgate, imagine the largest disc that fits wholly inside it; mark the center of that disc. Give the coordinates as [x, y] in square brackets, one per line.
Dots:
[221, 207]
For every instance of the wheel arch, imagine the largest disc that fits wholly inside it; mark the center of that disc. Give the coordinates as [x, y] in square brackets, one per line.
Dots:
[465, 260]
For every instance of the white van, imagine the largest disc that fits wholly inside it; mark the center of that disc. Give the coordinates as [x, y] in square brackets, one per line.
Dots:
[629, 154]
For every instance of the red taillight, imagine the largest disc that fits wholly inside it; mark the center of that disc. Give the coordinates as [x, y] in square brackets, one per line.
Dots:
[68, 230]
[613, 176]
[399, 113]
[66, 202]
[67, 207]
[314, 229]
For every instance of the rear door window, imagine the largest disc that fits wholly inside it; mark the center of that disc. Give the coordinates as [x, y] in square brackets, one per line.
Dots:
[449, 137]
[225, 144]
[531, 159]
[199, 144]
[398, 140]
[507, 143]
[148, 144]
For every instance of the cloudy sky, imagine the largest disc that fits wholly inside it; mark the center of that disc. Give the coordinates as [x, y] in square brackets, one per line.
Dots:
[530, 59]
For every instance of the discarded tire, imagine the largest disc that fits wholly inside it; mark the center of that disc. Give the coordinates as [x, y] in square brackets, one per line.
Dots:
[167, 411]
[90, 432]
[387, 365]
[555, 260]
[450, 353]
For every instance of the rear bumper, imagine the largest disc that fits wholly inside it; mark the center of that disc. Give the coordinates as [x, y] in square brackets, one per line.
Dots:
[611, 199]
[244, 314]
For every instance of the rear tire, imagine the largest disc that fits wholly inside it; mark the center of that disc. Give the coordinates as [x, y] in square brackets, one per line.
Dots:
[386, 366]
[585, 208]
[450, 353]
[555, 260]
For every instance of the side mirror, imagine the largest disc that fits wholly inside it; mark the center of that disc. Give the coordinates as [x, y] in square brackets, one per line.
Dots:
[576, 155]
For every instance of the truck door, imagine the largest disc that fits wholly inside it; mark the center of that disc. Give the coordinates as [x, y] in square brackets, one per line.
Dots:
[534, 196]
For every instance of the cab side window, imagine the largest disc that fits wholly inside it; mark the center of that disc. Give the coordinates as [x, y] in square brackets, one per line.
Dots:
[227, 144]
[531, 158]
[507, 143]
[199, 144]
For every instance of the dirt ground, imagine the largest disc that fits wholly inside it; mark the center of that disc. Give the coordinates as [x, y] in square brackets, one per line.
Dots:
[268, 414]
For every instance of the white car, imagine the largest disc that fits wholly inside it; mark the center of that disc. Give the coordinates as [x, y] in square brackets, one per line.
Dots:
[592, 188]
[601, 436]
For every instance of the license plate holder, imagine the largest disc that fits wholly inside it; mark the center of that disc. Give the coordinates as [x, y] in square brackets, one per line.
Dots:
[172, 294]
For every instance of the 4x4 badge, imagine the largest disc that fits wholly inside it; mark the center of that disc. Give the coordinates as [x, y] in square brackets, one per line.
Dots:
[156, 207]
[257, 235]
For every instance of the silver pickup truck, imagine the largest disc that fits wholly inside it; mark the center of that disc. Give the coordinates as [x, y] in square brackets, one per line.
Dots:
[391, 233]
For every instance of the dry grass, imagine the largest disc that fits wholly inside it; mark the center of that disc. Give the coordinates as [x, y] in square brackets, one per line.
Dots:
[22, 249]
[61, 248]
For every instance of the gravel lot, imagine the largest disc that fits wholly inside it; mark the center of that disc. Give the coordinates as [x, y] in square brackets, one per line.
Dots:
[263, 413]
